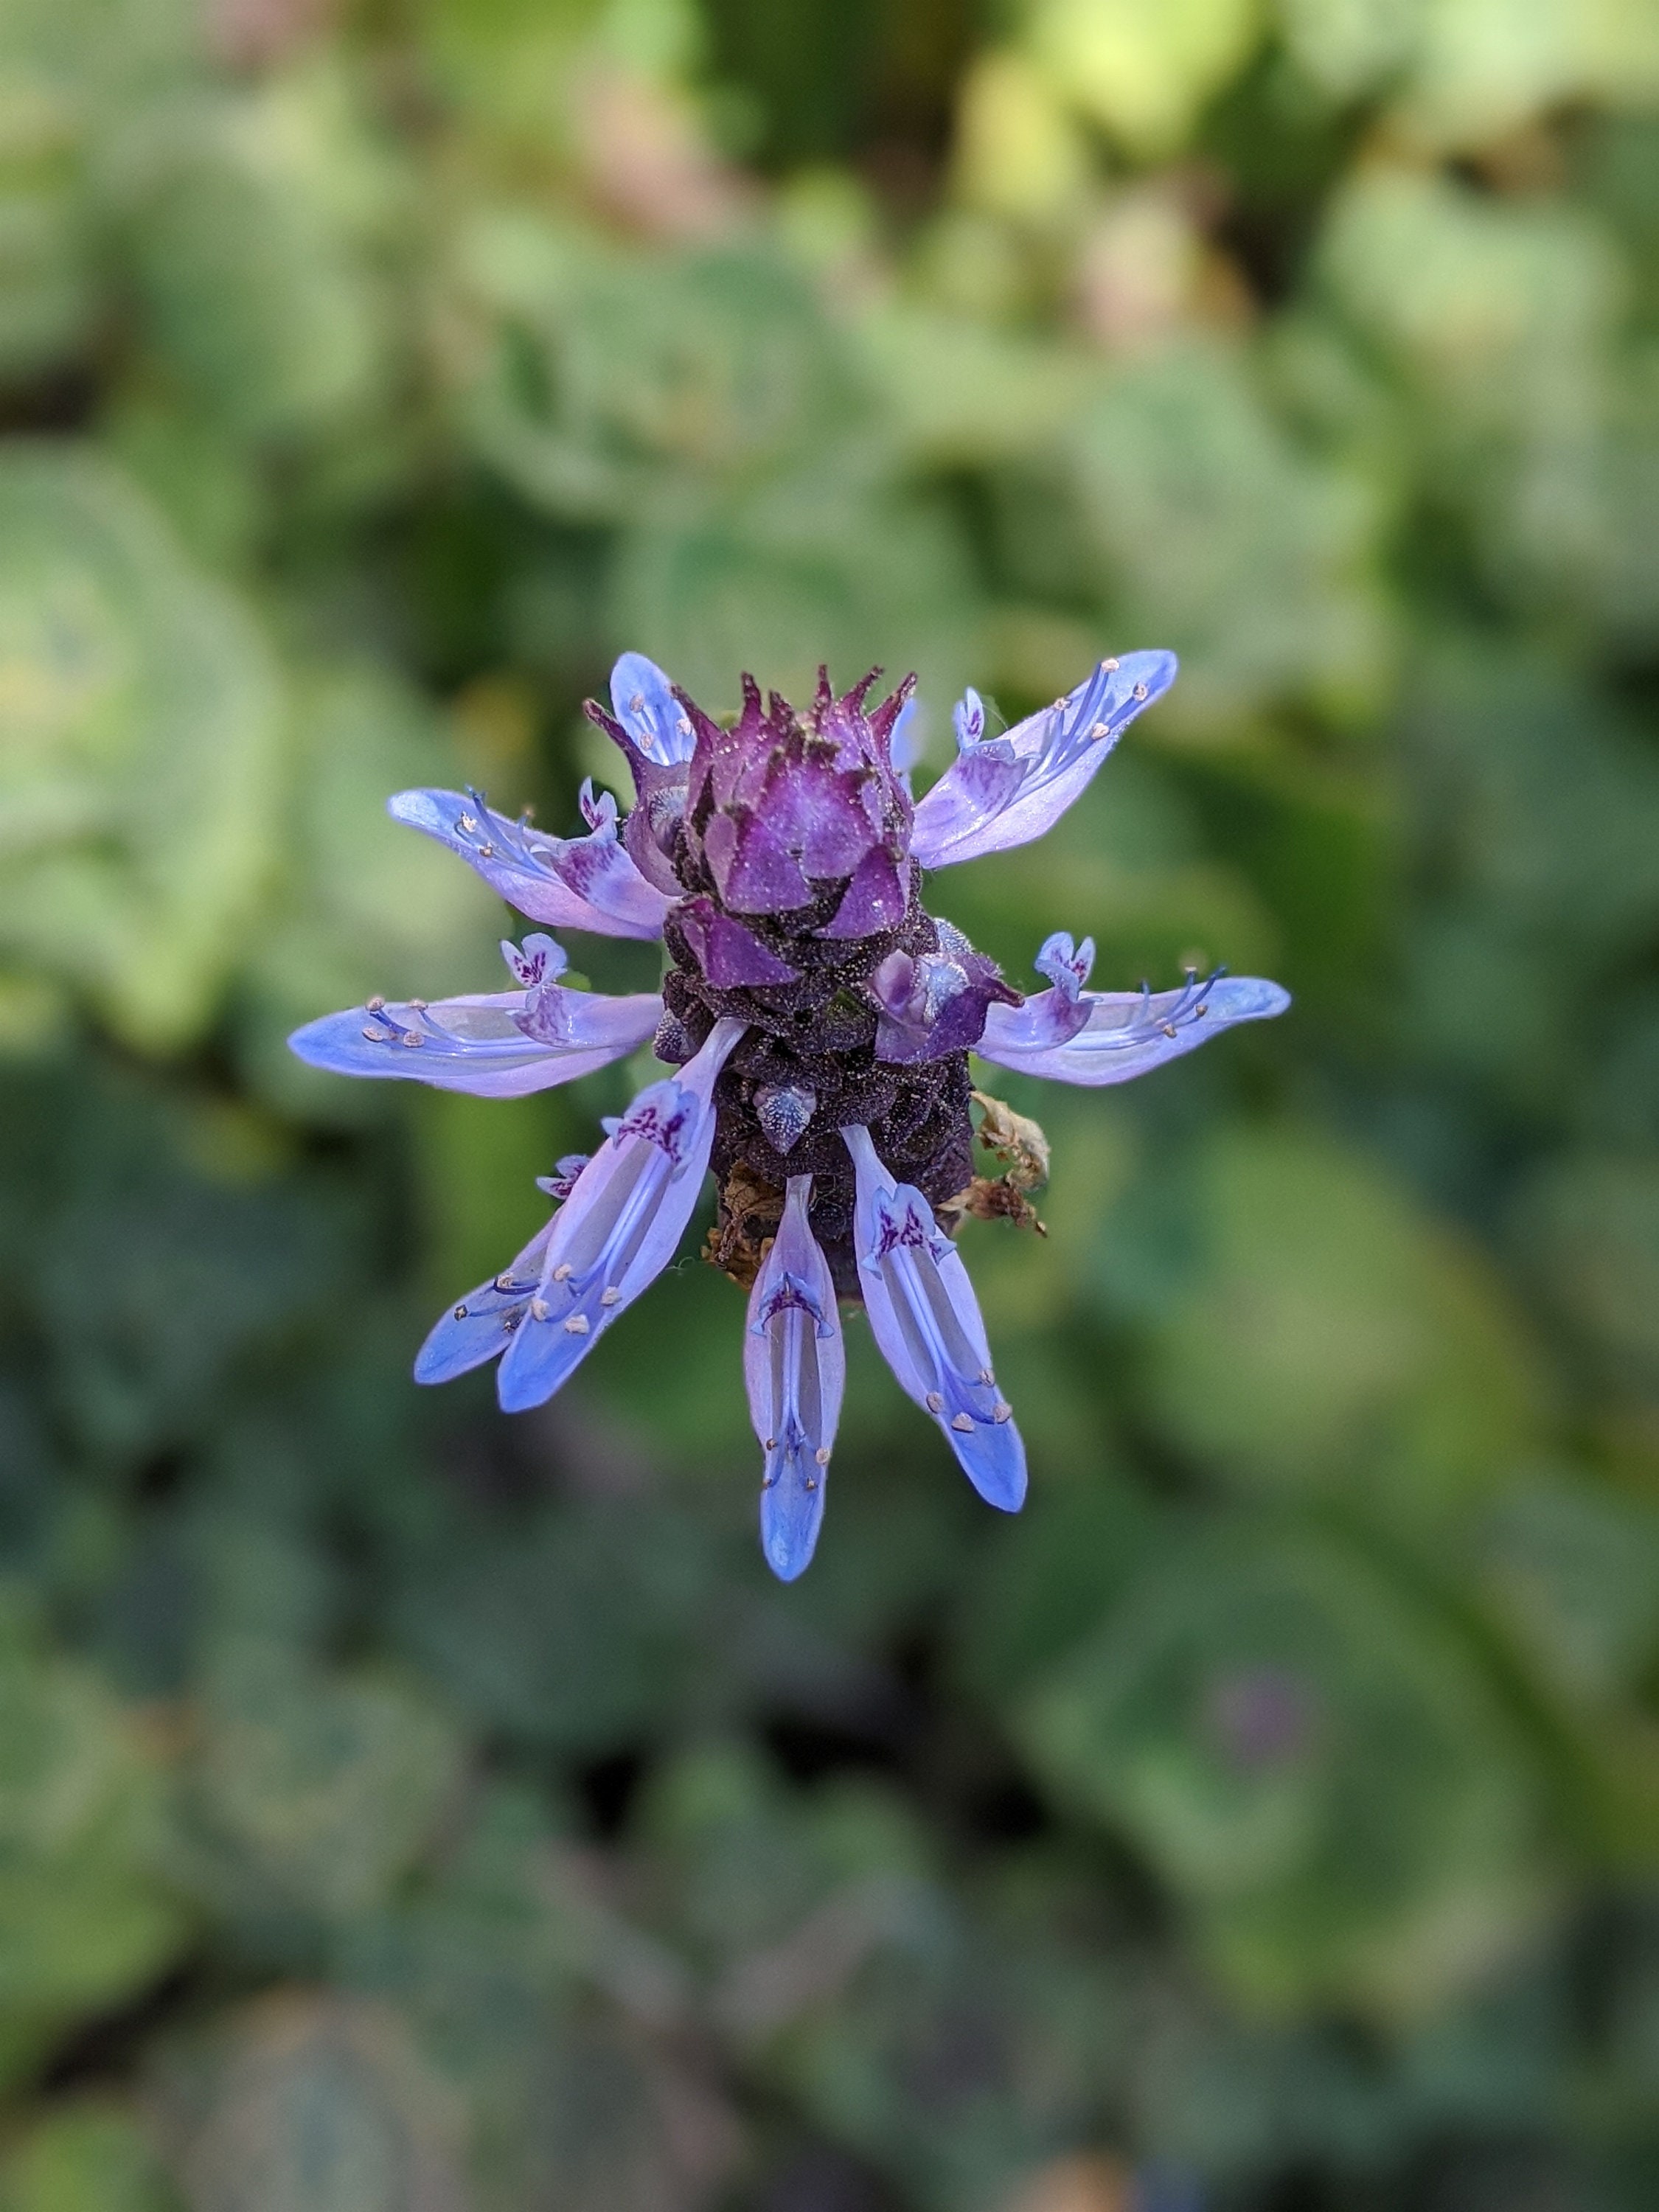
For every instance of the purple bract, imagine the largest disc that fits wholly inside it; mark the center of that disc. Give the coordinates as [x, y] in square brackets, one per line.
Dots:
[819, 1021]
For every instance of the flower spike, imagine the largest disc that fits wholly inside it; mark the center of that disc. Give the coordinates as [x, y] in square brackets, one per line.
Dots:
[818, 1024]
[795, 1367]
[926, 1320]
[621, 1225]
[571, 883]
[498, 1045]
[1000, 792]
[1097, 1037]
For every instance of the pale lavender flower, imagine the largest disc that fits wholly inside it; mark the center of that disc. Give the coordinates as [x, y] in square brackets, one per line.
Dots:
[795, 1368]
[819, 1021]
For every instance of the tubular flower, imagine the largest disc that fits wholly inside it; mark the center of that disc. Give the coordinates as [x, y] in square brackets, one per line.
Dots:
[818, 1023]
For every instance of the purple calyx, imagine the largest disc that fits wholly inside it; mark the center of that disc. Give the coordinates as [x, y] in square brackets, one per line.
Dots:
[766, 817]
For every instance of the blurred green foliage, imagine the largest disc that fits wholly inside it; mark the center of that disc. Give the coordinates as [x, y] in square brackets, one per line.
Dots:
[406, 1810]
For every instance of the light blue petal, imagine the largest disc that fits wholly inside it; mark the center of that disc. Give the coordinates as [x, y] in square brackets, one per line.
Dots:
[570, 882]
[926, 1320]
[1127, 1033]
[480, 1043]
[481, 1326]
[1005, 791]
[643, 701]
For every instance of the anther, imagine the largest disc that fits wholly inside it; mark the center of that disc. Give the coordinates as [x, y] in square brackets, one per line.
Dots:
[610, 1295]
[576, 1325]
[412, 1036]
[822, 1455]
[809, 1482]
[564, 1271]
[935, 1403]
[1101, 730]
[418, 1006]
[1167, 1028]
[1201, 1010]
[503, 1282]
[1001, 1410]
[1107, 666]
[1141, 691]
[468, 823]
[539, 1309]
[374, 1005]
[375, 1036]
[461, 1313]
[486, 851]
[963, 1421]
[636, 704]
[985, 1376]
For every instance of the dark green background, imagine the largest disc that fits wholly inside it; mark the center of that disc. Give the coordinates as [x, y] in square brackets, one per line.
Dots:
[405, 1809]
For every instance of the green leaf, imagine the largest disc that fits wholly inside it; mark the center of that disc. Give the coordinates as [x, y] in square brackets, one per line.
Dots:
[1143, 71]
[362, 903]
[317, 2103]
[139, 721]
[84, 1921]
[86, 2157]
[313, 1792]
[1329, 1337]
[1312, 1762]
[1213, 534]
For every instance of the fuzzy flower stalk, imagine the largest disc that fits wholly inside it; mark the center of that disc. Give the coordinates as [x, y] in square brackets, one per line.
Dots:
[816, 1023]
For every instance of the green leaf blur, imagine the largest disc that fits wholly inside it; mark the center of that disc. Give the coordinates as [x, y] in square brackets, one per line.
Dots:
[407, 1809]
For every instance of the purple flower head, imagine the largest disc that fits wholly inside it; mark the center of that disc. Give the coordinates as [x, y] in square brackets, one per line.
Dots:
[818, 1023]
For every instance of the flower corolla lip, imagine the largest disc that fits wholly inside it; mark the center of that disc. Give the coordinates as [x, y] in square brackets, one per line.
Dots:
[494, 1044]
[644, 702]
[1002, 792]
[1095, 1038]
[587, 882]
[795, 1368]
[925, 1319]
